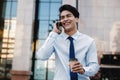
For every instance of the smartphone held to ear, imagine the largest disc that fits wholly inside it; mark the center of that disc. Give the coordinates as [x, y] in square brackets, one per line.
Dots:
[59, 25]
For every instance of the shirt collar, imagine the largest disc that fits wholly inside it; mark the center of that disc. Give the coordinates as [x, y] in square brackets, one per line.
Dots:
[74, 36]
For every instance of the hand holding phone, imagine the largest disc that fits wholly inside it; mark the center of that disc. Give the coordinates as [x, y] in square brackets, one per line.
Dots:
[59, 25]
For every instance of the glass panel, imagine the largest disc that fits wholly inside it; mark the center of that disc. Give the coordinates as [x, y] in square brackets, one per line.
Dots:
[56, 0]
[44, 11]
[2, 66]
[51, 67]
[48, 12]
[2, 8]
[45, 0]
[8, 0]
[8, 9]
[11, 0]
[13, 25]
[43, 30]
[6, 24]
[15, 0]
[40, 70]
[14, 9]
[54, 13]
[8, 38]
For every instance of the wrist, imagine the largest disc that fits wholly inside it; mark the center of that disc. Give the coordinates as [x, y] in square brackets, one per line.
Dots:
[82, 71]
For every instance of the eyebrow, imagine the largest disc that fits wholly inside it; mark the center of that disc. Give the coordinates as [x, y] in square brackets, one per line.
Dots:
[66, 15]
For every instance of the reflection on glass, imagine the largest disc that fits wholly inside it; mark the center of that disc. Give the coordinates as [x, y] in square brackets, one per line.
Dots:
[54, 13]
[48, 12]
[44, 0]
[14, 9]
[40, 71]
[56, 0]
[43, 30]
[10, 9]
[44, 11]
[8, 16]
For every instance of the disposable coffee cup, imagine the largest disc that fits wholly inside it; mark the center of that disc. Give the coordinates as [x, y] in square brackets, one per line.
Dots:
[72, 62]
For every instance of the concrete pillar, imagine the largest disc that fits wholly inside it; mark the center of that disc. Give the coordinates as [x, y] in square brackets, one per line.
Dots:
[21, 66]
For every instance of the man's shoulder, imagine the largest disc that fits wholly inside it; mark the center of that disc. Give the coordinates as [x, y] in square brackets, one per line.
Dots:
[85, 36]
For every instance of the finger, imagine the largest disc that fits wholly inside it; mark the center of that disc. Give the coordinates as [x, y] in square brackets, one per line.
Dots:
[76, 66]
[55, 29]
[79, 70]
[77, 63]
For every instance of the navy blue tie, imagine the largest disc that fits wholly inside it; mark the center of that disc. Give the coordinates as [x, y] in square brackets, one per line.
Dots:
[73, 76]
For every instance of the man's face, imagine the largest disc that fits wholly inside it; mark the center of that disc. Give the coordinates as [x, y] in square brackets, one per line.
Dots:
[68, 20]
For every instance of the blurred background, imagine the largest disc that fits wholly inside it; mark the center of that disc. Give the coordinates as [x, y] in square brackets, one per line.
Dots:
[25, 24]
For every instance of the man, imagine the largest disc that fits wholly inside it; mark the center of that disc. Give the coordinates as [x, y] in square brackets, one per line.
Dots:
[58, 42]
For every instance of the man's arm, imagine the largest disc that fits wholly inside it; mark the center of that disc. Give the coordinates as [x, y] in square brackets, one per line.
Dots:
[47, 49]
[92, 66]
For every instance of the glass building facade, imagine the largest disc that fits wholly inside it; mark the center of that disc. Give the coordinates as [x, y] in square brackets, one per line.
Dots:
[47, 14]
[8, 11]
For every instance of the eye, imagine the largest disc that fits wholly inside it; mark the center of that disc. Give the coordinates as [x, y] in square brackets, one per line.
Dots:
[62, 17]
[68, 15]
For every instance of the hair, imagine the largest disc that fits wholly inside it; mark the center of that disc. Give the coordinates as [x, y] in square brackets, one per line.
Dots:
[70, 8]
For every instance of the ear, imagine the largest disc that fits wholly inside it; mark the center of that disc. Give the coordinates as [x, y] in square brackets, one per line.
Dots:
[76, 19]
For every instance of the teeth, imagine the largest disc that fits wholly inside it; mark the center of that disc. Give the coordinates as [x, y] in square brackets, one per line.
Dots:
[66, 23]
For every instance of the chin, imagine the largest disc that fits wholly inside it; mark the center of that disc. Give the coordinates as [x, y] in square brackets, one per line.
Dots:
[67, 29]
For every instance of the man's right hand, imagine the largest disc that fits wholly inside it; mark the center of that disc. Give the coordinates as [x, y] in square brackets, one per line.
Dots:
[55, 29]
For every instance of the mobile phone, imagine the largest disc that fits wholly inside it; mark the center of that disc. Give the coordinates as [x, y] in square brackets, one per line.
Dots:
[59, 25]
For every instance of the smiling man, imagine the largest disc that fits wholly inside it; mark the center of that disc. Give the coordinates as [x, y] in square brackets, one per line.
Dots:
[70, 45]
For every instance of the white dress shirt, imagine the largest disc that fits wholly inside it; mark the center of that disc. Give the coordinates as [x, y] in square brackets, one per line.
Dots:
[85, 52]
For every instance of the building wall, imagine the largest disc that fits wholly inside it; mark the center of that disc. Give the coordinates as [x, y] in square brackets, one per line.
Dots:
[114, 38]
[97, 18]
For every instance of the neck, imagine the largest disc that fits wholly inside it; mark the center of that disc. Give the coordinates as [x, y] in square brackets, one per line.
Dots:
[71, 32]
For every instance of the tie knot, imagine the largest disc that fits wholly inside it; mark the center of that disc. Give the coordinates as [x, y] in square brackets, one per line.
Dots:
[70, 38]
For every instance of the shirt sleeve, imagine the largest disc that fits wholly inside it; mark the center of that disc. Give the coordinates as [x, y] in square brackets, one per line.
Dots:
[47, 48]
[92, 66]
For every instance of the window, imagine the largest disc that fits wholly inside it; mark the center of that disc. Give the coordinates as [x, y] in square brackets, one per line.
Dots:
[47, 14]
[8, 9]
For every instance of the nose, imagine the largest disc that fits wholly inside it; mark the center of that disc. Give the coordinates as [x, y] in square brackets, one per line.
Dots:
[65, 19]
